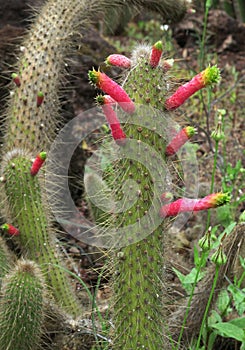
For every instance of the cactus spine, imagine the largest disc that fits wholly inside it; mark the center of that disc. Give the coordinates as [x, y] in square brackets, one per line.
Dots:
[21, 308]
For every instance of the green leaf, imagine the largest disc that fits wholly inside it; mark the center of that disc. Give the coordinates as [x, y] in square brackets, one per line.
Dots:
[188, 280]
[239, 322]
[214, 318]
[223, 302]
[238, 296]
[229, 330]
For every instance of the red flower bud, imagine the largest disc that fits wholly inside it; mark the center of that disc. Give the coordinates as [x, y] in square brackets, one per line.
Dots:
[209, 76]
[179, 140]
[186, 204]
[156, 53]
[166, 197]
[40, 98]
[112, 119]
[110, 87]
[118, 60]
[16, 79]
[13, 231]
[38, 162]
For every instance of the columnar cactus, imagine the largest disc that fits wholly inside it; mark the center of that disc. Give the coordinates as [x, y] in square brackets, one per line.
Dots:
[21, 307]
[139, 296]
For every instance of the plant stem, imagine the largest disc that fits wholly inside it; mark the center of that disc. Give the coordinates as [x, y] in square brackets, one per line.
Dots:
[190, 299]
[212, 179]
[204, 32]
[208, 306]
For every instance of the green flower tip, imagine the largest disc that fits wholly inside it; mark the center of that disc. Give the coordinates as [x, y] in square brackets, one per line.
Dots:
[40, 94]
[43, 155]
[158, 45]
[107, 61]
[93, 76]
[5, 227]
[211, 75]
[222, 198]
[190, 131]
[100, 100]
[14, 75]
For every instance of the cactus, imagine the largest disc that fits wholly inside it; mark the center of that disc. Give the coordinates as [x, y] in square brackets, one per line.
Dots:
[139, 299]
[21, 308]
[32, 119]
[25, 206]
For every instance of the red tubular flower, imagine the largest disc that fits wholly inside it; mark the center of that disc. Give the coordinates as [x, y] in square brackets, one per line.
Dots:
[110, 87]
[186, 204]
[179, 140]
[13, 231]
[38, 162]
[16, 79]
[118, 60]
[111, 117]
[105, 99]
[209, 76]
[40, 98]
[156, 53]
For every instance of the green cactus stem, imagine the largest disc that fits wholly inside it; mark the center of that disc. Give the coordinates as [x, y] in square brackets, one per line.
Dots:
[25, 205]
[140, 299]
[21, 308]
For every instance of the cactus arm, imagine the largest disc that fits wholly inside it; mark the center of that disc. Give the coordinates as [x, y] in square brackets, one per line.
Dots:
[26, 209]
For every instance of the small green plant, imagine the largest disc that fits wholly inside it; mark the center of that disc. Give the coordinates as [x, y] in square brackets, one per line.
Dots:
[213, 325]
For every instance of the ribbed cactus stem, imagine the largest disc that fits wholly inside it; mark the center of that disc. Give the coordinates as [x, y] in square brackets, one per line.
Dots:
[33, 119]
[139, 301]
[26, 207]
[21, 308]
